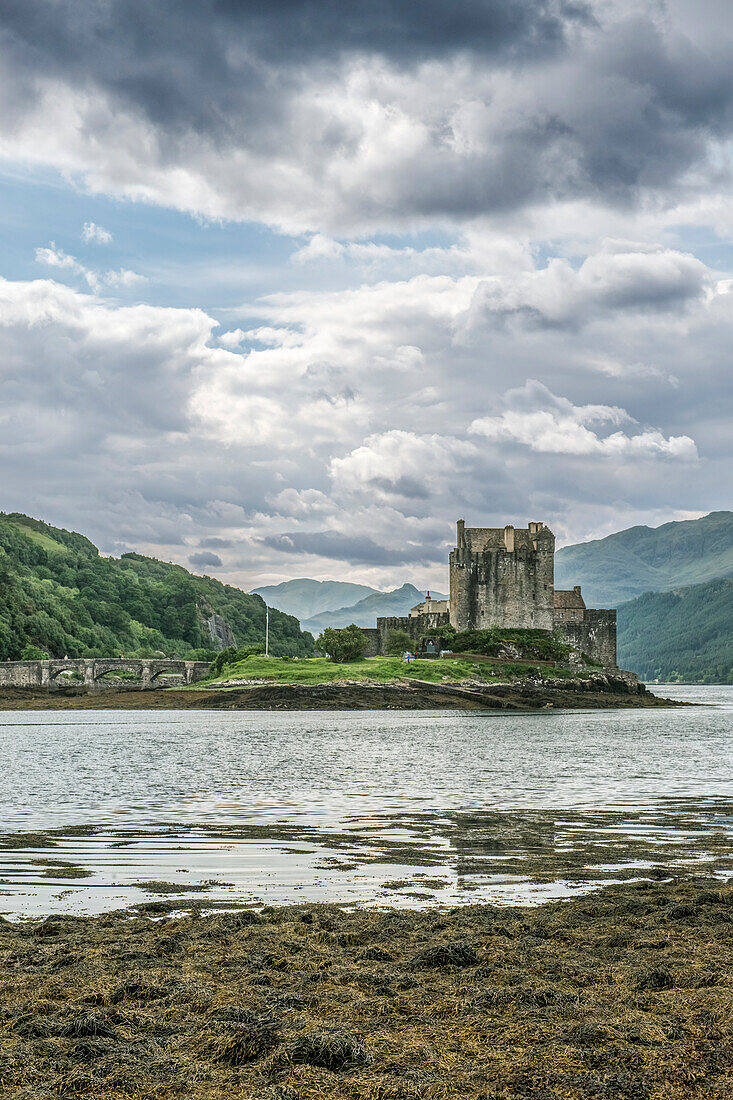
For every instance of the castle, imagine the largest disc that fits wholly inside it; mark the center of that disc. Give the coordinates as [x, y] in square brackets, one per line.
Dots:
[505, 577]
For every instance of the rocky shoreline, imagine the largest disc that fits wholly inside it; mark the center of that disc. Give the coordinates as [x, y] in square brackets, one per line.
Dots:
[625, 993]
[601, 691]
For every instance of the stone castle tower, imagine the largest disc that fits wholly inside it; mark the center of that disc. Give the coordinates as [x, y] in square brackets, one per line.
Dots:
[505, 577]
[502, 576]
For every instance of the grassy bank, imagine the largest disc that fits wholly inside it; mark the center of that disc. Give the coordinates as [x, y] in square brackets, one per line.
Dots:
[321, 670]
[625, 994]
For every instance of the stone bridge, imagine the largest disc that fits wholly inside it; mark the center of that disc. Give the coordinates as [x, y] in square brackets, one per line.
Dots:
[98, 673]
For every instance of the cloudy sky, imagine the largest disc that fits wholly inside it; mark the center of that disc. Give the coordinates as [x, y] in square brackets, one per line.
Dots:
[287, 287]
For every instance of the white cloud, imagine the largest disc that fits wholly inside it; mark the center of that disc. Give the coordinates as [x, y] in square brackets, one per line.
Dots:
[232, 339]
[401, 463]
[358, 417]
[618, 276]
[56, 257]
[122, 277]
[539, 420]
[95, 234]
[304, 503]
[319, 247]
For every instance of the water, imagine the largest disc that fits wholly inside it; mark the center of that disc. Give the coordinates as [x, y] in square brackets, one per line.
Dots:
[383, 807]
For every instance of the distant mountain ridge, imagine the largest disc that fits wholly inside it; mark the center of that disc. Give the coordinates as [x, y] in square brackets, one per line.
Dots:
[365, 613]
[629, 563]
[305, 598]
[320, 604]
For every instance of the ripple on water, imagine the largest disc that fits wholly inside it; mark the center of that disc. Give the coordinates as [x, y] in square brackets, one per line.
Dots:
[396, 808]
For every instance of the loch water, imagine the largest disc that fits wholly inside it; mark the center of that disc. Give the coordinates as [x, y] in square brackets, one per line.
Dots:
[105, 809]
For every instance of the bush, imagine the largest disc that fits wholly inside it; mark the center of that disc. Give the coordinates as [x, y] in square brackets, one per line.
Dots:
[537, 644]
[33, 653]
[347, 644]
[232, 654]
[398, 641]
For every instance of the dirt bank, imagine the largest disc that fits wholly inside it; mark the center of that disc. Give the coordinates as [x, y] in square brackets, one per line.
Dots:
[599, 692]
[625, 994]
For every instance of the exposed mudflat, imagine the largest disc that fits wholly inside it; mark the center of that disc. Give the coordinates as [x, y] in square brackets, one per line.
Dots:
[601, 692]
[625, 994]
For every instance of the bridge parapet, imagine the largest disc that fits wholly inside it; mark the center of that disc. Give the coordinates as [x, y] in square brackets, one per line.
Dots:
[90, 671]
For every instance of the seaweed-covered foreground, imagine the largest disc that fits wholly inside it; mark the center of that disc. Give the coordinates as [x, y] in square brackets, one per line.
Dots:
[626, 993]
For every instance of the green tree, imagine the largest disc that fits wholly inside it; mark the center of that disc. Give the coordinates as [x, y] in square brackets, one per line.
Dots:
[397, 642]
[33, 653]
[347, 644]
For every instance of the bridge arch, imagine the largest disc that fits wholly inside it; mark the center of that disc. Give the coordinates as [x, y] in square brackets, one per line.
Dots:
[66, 668]
[110, 667]
[168, 668]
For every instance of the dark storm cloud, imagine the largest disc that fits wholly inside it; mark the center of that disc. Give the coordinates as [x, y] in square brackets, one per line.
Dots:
[164, 55]
[215, 543]
[360, 551]
[622, 103]
[409, 487]
[565, 100]
[204, 558]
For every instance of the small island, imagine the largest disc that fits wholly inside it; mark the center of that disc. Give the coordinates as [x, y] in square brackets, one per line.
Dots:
[505, 639]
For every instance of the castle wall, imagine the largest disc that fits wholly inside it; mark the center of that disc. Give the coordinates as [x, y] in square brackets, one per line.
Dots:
[569, 615]
[510, 586]
[374, 641]
[594, 636]
[414, 625]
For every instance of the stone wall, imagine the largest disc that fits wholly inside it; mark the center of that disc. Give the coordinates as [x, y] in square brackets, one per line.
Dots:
[595, 635]
[374, 641]
[414, 625]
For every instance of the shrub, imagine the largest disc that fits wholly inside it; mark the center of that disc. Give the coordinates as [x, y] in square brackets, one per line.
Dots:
[232, 654]
[537, 644]
[397, 642]
[33, 653]
[347, 644]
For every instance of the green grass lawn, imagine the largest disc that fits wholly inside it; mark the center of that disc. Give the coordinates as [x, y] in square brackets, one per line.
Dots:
[320, 670]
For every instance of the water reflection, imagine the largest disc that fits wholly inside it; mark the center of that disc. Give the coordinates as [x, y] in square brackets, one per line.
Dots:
[102, 810]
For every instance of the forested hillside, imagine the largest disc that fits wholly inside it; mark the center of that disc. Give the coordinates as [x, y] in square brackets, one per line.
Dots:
[57, 593]
[648, 559]
[685, 635]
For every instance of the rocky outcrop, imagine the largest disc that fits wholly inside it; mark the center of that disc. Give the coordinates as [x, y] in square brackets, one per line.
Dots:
[220, 632]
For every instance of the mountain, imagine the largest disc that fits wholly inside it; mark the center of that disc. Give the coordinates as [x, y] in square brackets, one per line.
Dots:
[364, 613]
[57, 593]
[305, 598]
[684, 635]
[648, 559]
